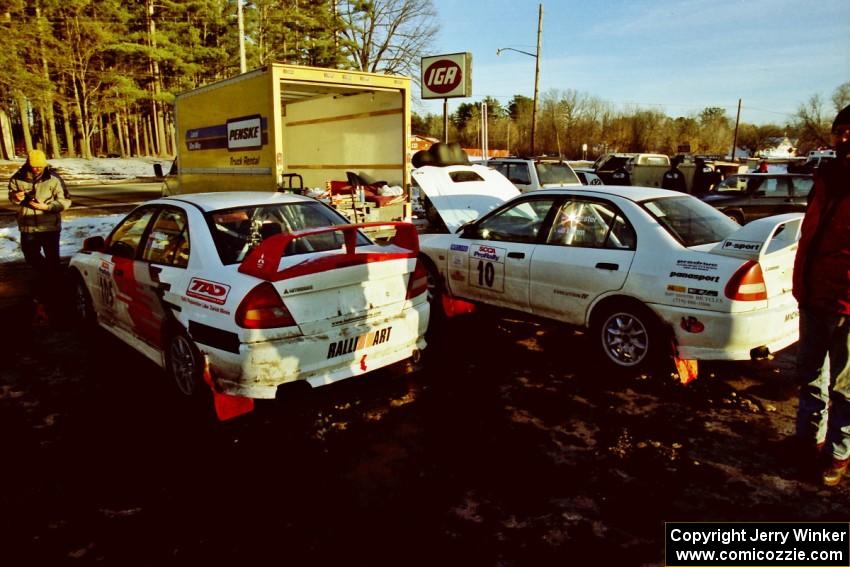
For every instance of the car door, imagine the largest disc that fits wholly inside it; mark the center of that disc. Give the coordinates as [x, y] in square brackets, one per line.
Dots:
[117, 267]
[490, 260]
[588, 252]
[146, 252]
[771, 197]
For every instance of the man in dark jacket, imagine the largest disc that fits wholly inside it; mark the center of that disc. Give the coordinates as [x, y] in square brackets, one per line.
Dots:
[673, 178]
[41, 196]
[822, 288]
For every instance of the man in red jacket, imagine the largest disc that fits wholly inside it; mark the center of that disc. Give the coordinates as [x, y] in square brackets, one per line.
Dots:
[822, 288]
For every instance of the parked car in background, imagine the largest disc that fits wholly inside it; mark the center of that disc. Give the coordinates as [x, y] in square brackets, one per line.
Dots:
[262, 289]
[611, 168]
[531, 174]
[588, 176]
[749, 196]
[643, 269]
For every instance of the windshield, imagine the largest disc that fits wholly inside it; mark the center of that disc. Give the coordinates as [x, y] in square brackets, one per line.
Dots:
[236, 231]
[555, 174]
[691, 221]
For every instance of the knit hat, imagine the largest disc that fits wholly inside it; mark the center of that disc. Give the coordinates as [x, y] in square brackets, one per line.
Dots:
[37, 158]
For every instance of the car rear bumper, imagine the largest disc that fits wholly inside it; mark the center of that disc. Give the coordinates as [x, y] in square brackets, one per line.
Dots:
[259, 368]
[731, 336]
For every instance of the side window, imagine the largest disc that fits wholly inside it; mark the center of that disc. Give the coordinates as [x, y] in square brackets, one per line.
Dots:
[591, 225]
[519, 223]
[125, 239]
[803, 186]
[168, 240]
[777, 187]
[519, 174]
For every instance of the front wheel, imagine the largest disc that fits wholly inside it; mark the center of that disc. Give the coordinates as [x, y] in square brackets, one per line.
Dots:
[629, 337]
[83, 308]
[184, 364]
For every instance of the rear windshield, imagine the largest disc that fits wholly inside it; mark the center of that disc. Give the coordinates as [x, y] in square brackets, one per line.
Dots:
[236, 231]
[691, 221]
[555, 174]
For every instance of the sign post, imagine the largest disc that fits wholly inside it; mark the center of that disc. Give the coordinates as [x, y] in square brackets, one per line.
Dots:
[445, 77]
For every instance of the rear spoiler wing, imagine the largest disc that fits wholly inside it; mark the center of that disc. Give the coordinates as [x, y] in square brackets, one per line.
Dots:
[263, 261]
[762, 237]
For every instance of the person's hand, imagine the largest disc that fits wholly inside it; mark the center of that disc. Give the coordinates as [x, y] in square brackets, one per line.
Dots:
[38, 206]
[19, 195]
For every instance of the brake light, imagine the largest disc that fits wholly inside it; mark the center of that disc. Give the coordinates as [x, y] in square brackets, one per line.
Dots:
[263, 308]
[747, 283]
[418, 282]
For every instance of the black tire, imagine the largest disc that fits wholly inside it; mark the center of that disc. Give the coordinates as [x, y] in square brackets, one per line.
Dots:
[83, 309]
[629, 337]
[184, 364]
[437, 317]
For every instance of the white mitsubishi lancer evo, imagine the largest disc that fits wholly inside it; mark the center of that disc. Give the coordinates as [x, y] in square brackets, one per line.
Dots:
[261, 288]
[646, 270]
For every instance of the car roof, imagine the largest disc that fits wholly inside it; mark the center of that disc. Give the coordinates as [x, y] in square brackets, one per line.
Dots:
[229, 199]
[629, 192]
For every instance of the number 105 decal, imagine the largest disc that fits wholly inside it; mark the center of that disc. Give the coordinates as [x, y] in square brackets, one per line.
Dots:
[487, 267]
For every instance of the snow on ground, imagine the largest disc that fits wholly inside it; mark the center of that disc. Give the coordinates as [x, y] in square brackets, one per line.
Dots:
[74, 231]
[73, 169]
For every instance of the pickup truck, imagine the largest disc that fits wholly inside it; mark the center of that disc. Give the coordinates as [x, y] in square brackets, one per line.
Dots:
[646, 170]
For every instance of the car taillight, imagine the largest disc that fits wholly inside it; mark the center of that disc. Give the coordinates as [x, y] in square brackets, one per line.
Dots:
[418, 282]
[747, 284]
[263, 308]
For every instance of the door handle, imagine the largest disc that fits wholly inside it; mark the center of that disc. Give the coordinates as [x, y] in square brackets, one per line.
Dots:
[517, 255]
[608, 266]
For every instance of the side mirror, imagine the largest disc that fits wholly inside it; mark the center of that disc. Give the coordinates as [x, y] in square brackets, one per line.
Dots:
[94, 244]
[468, 230]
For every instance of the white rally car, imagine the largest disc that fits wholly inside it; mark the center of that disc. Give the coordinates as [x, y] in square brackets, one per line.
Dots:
[262, 288]
[646, 270]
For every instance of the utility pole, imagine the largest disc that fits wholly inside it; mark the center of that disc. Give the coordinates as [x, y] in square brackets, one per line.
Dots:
[243, 66]
[735, 139]
[536, 78]
[536, 56]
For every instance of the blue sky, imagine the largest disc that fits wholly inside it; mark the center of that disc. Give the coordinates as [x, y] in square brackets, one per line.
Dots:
[677, 56]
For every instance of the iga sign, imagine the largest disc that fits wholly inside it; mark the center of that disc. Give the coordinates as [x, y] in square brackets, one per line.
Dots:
[447, 76]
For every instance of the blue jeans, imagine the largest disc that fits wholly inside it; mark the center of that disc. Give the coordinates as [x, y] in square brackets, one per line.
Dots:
[823, 371]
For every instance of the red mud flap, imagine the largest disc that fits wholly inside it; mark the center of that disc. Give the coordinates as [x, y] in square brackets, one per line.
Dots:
[454, 307]
[226, 406]
[687, 369]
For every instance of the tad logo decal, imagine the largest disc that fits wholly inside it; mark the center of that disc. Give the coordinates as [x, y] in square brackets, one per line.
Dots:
[208, 291]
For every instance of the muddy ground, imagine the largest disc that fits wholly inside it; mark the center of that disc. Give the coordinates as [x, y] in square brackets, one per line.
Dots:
[507, 447]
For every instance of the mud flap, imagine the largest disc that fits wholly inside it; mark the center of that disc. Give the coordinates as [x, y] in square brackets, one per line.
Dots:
[687, 369]
[226, 406]
[454, 307]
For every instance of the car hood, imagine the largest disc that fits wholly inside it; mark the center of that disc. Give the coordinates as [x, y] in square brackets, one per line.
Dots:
[462, 193]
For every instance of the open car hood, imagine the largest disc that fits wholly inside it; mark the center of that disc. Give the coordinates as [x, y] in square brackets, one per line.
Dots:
[462, 193]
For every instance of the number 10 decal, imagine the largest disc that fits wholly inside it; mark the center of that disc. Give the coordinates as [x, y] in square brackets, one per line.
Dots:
[487, 267]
